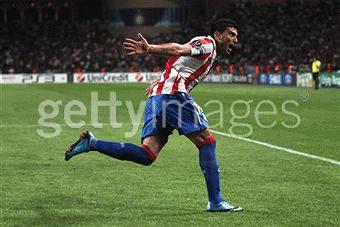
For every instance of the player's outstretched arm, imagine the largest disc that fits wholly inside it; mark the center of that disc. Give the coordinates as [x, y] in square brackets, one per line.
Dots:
[140, 47]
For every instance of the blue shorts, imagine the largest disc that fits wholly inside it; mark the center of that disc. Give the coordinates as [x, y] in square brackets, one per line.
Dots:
[166, 112]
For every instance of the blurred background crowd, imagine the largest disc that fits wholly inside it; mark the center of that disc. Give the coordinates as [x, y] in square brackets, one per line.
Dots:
[272, 38]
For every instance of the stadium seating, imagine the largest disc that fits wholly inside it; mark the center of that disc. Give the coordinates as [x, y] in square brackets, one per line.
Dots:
[270, 35]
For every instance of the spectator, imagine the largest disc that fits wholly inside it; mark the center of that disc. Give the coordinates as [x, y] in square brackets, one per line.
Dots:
[270, 34]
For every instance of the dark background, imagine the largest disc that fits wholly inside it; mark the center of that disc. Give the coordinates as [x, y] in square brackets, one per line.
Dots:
[84, 35]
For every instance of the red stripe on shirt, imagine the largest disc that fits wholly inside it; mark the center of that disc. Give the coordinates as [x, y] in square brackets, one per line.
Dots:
[205, 41]
[175, 85]
[168, 67]
[202, 41]
[186, 83]
[199, 71]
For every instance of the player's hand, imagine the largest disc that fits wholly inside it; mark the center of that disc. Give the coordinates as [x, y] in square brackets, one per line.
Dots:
[134, 47]
[148, 90]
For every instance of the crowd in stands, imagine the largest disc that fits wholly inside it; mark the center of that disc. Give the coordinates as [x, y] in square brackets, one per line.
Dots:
[272, 38]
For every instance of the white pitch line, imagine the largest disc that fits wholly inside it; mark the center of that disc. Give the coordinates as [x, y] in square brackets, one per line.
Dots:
[277, 147]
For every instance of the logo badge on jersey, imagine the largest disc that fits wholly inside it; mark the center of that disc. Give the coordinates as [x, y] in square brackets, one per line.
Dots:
[196, 43]
[198, 46]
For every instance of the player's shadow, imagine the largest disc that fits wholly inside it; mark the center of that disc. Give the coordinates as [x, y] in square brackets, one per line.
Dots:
[58, 210]
[65, 210]
[166, 211]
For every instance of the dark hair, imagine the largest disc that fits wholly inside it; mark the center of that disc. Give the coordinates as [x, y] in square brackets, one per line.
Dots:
[220, 25]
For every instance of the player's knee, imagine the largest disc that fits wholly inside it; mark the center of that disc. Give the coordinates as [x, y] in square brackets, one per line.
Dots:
[208, 141]
[151, 155]
[208, 161]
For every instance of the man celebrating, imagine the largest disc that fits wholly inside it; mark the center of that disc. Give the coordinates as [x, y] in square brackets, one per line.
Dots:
[169, 106]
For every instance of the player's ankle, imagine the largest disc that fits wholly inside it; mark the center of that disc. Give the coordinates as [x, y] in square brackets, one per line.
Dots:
[93, 144]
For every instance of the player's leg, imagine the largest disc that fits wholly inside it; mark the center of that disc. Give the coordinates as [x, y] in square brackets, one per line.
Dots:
[144, 154]
[206, 144]
[317, 81]
[153, 139]
[155, 143]
[194, 125]
[192, 122]
[314, 75]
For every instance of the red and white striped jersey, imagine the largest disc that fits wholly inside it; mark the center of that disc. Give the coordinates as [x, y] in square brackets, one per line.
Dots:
[183, 73]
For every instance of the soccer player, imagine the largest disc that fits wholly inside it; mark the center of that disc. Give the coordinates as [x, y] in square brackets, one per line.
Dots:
[169, 106]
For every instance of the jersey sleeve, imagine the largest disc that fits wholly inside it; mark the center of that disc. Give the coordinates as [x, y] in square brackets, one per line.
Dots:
[201, 46]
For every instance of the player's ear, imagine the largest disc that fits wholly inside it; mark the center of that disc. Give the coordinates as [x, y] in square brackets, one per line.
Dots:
[217, 36]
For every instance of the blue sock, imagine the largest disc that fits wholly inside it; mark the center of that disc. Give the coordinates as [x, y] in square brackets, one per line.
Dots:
[124, 151]
[209, 166]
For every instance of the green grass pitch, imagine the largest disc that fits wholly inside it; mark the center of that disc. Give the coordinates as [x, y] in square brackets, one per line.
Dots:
[275, 188]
